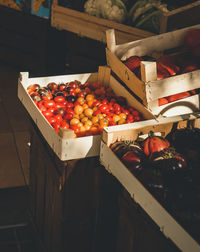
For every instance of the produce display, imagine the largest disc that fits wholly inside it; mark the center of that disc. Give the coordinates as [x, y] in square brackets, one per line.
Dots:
[169, 168]
[171, 65]
[84, 108]
[142, 14]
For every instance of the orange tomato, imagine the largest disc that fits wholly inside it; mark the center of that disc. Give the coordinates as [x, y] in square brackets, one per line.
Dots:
[90, 103]
[88, 112]
[87, 127]
[94, 130]
[81, 100]
[103, 122]
[95, 119]
[88, 122]
[85, 106]
[74, 121]
[116, 118]
[121, 121]
[89, 97]
[84, 119]
[80, 124]
[78, 109]
[122, 116]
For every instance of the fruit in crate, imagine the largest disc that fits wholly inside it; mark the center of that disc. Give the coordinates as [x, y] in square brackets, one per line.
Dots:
[85, 108]
[154, 143]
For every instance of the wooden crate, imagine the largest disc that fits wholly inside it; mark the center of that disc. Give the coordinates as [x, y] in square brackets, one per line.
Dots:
[149, 89]
[63, 197]
[167, 224]
[65, 145]
[92, 27]
[181, 17]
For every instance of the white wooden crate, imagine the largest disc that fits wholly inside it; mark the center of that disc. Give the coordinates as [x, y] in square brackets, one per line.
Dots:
[168, 225]
[149, 89]
[72, 148]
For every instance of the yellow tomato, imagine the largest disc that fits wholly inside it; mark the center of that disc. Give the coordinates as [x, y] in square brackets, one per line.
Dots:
[116, 118]
[88, 122]
[103, 122]
[78, 109]
[85, 106]
[89, 97]
[95, 119]
[74, 121]
[121, 121]
[84, 119]
[81, 100]
[88, 112]
[122, 116]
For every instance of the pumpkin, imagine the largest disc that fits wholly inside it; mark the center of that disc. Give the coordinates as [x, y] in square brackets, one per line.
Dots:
[154, 143]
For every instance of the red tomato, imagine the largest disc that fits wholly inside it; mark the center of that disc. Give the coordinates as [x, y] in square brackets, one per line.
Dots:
[75, 128]
[69, 105]
[51, 120]
[41, 106]
[58, 118]
[47, 113]
[116, 107]
[59, 105]
[96, 103]
[61, 87]
[64, 125]
[47, 96]
[68, 116]
[73, 84]
[104, 108]
[49, 103]
[97, 112]
[56, 126]
[59, 99]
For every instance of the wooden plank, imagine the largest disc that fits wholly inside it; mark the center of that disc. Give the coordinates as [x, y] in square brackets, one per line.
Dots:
[126, 76]
[92, 27]
[132, 130]
[187, 15]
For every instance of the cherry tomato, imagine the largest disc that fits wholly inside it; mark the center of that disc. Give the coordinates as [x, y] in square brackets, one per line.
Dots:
[96, 103]
[78, 109]
[75, 128]
[69, 105]
[62, 87]
[64, 125]
[47, 113]
[52, 86]
[88, 112]
[58, 118]
[73, 84]
[35, 96]
[60, 111]
[33, 87]
[68, 116]
[51, 120]
[56, 126]
[59, 105]
[49, 103]
[59, 99]
[47, 96]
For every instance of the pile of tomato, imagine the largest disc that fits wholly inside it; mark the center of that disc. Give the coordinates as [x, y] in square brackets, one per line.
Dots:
[85, 108]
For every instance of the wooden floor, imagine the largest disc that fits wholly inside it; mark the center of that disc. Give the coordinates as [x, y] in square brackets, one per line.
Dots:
[16, 232]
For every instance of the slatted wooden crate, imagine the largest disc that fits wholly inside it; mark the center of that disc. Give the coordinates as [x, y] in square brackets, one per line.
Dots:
[167, 224]
[65, 145]
[92, 27]
[148, 89]
[181, 17]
